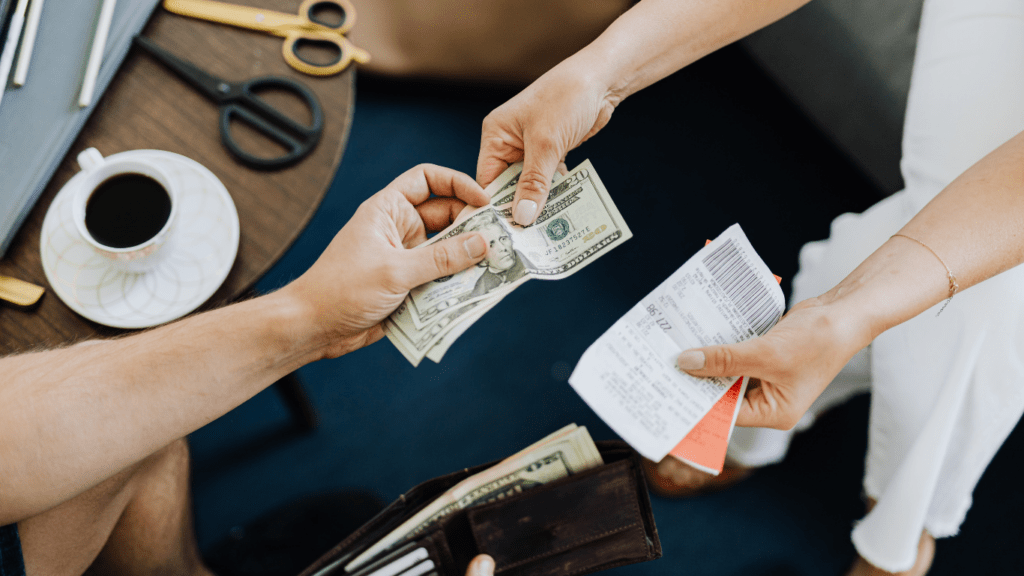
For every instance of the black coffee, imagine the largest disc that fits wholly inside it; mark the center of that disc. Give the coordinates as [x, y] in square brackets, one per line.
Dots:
[126, 210]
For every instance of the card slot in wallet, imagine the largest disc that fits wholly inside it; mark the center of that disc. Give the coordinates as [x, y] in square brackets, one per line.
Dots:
[426, 555]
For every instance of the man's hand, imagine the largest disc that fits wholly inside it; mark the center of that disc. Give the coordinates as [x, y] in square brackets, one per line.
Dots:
[161, 384]
[539, 126]
[793, 362]
[373, 262]
[482, 565]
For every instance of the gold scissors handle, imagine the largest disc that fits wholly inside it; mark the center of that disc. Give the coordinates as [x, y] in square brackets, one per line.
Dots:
[348, 53]
[294, 28]
[348, 11]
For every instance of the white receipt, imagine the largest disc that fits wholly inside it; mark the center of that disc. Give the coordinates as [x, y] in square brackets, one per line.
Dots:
[722, 295]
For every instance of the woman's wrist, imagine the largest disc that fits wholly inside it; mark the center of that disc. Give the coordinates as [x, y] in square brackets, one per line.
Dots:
[849, 317]
[611, 63]
[656, 38]
[897, 282]
[597, 72]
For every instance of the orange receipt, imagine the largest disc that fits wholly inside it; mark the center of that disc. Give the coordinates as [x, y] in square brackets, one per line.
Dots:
[705, 446]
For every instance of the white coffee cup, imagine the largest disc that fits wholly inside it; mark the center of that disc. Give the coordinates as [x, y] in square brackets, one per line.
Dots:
[98, 170]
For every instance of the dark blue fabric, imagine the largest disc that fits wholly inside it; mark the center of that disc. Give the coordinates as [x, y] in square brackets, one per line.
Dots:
[11, 562]
[712, 145]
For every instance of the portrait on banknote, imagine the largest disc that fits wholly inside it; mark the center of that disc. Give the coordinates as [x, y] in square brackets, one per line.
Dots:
[579, 224]
[503, 264]
[503, 268]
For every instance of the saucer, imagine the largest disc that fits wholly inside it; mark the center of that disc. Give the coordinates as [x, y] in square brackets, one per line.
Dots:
[200, 251]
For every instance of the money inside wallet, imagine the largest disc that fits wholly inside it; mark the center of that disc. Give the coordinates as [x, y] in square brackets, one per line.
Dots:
[558, 455]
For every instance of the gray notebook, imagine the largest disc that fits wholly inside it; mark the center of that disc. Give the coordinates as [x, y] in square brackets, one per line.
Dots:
[40, 120]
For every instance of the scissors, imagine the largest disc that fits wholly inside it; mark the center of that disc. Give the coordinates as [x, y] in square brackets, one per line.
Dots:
[237, 100]
[296, 29]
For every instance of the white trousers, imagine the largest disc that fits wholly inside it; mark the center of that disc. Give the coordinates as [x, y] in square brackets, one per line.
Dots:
[946, 390]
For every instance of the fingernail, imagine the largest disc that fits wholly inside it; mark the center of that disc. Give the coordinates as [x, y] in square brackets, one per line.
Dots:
[525, 212]
[691, 360]
[484, 567]
[475, 246]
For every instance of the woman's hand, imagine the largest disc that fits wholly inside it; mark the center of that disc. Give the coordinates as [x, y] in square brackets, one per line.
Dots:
[575, 100]
[789, 366]
[539, 126]
[373, 262]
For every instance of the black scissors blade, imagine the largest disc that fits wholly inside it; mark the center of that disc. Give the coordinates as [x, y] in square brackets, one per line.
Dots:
[213, 87]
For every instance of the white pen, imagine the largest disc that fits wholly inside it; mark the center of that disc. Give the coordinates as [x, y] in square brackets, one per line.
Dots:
[99, 42]
[13, 34]
[28, 42]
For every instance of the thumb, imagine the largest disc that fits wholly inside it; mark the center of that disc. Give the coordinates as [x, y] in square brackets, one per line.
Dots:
[769, 405]
[740, 359]
[482, 565]
[444, 258]
[539, 165]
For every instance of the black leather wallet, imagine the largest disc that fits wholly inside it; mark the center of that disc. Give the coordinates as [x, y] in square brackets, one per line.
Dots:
[594, 520]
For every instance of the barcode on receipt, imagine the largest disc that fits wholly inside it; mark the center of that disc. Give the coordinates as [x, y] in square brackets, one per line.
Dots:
[739, 281]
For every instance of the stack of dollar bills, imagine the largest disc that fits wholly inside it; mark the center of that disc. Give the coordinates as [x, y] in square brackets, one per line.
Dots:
[579, 224]
[565, 452]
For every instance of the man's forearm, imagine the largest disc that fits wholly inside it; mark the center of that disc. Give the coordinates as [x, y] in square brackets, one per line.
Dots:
[658, 37]
[72, 417]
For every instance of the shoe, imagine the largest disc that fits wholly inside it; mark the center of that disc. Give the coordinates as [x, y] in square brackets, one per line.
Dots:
[673, 478]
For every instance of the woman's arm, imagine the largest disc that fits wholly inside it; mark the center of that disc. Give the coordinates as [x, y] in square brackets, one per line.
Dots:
[658, 37]
[975, 226]
[575, 99]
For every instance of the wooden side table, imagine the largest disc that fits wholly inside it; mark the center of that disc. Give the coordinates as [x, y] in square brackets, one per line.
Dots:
[148, 107]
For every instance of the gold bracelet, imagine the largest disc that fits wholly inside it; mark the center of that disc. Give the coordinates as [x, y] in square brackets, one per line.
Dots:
[953, 286]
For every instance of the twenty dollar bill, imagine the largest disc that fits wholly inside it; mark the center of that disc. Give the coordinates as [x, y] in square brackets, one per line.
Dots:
[579, 224]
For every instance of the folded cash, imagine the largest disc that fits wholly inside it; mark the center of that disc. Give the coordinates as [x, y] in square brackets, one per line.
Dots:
[568, 451]
[579, 224]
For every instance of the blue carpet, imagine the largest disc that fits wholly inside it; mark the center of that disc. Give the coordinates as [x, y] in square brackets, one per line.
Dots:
[707, 147]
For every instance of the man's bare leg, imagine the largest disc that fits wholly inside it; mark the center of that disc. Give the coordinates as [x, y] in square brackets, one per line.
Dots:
[139, 521]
